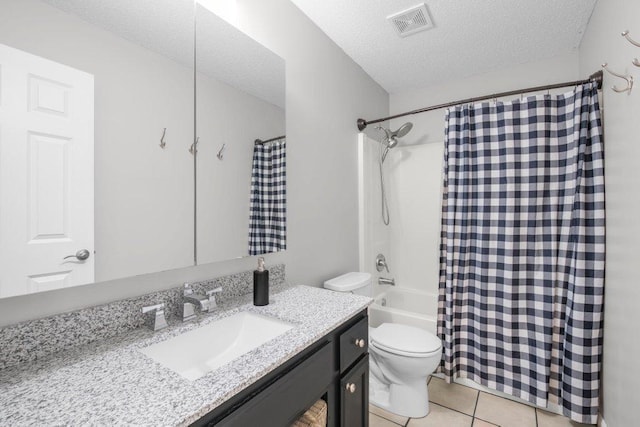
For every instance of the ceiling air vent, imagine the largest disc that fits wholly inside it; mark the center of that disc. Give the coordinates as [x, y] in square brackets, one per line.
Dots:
[411, 21]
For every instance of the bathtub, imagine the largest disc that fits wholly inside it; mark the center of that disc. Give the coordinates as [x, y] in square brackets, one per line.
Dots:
[406, 306]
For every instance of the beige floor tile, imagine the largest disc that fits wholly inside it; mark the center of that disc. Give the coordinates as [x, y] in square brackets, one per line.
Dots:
[440, 416]
[547, 419]
[480, 423]
[376, 421]
[453, 396]
[388, 415]
[504, 412]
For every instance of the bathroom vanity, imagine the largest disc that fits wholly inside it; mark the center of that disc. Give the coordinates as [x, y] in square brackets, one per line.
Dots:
[335, 368]
[108, 382]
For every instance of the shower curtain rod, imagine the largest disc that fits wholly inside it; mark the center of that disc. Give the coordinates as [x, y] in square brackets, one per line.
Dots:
[260, 142]
[595, 77]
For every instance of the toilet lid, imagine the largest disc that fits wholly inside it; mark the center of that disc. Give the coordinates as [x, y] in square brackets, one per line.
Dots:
[404, 339]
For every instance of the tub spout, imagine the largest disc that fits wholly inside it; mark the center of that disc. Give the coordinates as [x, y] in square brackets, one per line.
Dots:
[385, 281]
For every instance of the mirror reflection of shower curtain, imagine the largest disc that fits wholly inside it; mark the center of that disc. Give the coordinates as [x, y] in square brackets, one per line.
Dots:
[523, 248]
[268, 208]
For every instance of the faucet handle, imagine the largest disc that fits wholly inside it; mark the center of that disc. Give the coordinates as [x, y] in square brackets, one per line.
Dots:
[212, 297]
[188, 290]
[153, 307]
[159, 321]
[381, 263]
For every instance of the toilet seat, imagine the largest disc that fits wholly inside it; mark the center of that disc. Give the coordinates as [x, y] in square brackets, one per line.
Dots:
[404, 340]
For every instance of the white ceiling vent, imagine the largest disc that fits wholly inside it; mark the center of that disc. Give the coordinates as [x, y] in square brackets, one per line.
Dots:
[411, 21]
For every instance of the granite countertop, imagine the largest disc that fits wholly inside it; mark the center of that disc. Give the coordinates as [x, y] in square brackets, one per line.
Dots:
[111, 383]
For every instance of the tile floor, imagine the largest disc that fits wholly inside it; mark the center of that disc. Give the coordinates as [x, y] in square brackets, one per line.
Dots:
[454, 405]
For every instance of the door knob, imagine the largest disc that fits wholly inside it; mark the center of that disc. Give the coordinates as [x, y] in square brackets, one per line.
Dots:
[359, 343]
[81, 255]
[351, 387]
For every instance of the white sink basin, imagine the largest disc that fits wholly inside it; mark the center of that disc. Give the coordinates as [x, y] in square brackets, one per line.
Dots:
[198, 352]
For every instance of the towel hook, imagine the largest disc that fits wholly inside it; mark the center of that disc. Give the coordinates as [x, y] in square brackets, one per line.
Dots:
[628, 79]
[220, 154]
[625, 34]
[163, 143]
[194, 147]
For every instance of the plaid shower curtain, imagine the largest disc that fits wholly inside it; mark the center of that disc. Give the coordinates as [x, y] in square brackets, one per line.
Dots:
[522, 249]
[268, 208]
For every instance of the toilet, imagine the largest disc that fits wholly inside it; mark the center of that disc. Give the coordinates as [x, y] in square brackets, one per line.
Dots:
[401, 357]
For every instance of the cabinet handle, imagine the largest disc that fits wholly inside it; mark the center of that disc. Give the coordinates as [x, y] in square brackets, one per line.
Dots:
[351, 387]
[359, 343]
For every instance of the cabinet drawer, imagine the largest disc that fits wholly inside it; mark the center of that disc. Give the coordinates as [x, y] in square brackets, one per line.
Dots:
[291, 394]
[354, 395]
[350, 342]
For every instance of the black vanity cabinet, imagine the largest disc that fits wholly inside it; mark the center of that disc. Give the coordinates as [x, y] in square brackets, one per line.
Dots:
[335, 368]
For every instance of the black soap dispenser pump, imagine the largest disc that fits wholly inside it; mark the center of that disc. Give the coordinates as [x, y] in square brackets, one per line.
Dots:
[261, 284]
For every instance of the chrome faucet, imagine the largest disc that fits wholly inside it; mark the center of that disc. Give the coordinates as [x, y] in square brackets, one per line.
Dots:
[190, 300]
[385, 281]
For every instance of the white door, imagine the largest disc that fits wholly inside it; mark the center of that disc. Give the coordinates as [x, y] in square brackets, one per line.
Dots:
[46, 174]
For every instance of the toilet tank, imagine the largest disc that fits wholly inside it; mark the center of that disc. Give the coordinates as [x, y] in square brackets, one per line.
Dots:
[354, 282]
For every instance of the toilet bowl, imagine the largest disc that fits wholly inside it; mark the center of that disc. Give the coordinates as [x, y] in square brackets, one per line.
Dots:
[401, 357]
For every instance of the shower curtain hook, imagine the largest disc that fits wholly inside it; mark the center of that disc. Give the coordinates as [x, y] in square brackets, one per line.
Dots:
[627, 78]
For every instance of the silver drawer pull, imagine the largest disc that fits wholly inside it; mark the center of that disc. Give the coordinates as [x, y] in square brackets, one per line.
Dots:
[351, 387]
[359, 343]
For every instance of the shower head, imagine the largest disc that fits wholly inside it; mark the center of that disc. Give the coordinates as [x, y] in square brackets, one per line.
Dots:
[392, 136]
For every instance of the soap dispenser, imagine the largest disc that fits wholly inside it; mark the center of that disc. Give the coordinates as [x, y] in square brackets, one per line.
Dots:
[261, 284]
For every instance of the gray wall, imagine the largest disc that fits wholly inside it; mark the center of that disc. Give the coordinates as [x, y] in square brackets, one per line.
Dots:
[602, 43]
[326, 93]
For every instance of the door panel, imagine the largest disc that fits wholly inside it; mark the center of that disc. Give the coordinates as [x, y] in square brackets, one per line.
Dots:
[46, 174]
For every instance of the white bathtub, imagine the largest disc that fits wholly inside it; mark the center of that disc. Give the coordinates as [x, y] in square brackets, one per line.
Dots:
[406, 306]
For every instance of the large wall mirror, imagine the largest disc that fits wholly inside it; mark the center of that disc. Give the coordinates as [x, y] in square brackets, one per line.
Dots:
[88, 88]
[97, 155]
[240, 97]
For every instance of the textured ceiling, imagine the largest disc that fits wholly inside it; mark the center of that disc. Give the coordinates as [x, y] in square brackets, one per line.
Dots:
[470, 36]
[166, 27]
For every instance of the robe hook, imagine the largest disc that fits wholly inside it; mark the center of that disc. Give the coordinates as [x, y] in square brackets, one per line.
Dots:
[628, 79]
[220, 154]
[625, 34]
[163, 143]
[194, 147]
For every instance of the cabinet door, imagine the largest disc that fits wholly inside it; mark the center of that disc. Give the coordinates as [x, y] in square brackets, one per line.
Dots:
[354, 395]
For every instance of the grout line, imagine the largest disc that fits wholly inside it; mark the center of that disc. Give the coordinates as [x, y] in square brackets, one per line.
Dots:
[475, 408]
[488, 422]
[387, 419]
[536, 411]
[451, 409]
